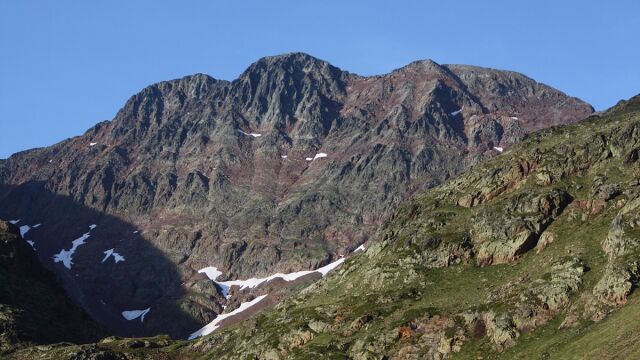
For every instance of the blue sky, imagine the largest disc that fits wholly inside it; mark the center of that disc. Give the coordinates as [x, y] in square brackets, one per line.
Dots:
[65, 65]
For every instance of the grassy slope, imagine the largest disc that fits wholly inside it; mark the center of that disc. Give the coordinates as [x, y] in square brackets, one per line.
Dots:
[615, 337]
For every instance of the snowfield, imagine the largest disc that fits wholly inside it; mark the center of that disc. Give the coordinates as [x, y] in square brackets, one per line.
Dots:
[66, 256]
[317, 156]
[210, 327]
[24, 229]
[325, 269]
[116, 257]
[213, 273]
[134, 314]
[255, 135]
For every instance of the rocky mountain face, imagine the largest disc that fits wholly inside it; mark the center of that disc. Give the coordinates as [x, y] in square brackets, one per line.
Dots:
[33, 306]
[286, 168]
[531, 254]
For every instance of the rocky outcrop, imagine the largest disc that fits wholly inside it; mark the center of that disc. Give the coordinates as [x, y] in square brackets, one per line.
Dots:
[502, 233]
[622, 246]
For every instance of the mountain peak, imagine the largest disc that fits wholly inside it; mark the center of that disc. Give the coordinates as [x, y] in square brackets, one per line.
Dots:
[297, 56]
[291, 63]
[425, 64]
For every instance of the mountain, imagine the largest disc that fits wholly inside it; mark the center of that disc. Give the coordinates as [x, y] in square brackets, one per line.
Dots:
[284, 169]
[33, 306]
[532, 254]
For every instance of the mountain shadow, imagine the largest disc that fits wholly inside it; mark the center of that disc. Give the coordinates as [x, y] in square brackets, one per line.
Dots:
[34, 308]
[99, 265]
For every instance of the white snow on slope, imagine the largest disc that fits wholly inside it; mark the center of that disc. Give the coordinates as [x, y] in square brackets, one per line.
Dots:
[24, 229]
[325, 269]
[498, 148]
[13, 222]
[212, 273]
[92, 144]
[92, 226]
[33, 245]
[283, 156]
[455, 112]
[317, 156]
[210, 327]
[255, 135]
[134, 314]
[116, 257]
[514, 118]
[66, 256]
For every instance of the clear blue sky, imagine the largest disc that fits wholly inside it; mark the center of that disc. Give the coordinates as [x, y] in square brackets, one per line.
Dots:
[65, 65]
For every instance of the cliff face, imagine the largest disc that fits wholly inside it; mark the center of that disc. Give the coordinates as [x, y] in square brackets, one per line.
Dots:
[283, 169]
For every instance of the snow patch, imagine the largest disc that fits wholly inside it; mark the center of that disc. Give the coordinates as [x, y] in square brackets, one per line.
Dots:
[514, 118]
[135, 232]
[213, 325]
[66, 256]
[325, 269]
[284, 156]
[116, 257]
[213, 273]
[93, 144]
[319, 155]
[255, 135]
[253, 282]
[360, 248]
[134, 314]
[13, 222]
[24, 229]
[498, 148]
[456, 112]
[35, 226]
[92, 226]
[33, 245]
